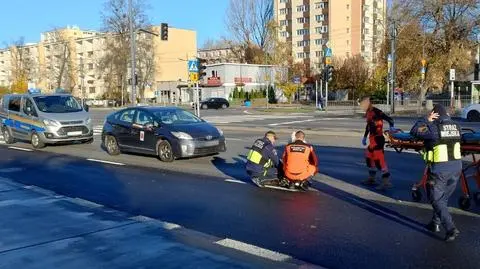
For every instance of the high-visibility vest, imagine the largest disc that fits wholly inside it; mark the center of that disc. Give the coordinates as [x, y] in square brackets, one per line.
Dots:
[255, 154]
[297, 158]
[448, 146]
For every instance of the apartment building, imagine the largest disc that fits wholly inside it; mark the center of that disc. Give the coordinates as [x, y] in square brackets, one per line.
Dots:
[78, 52]
[348, 27]
[217, 55]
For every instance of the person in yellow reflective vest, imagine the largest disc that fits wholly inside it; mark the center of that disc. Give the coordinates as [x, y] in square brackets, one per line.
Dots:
[442, 154]
[262, 159]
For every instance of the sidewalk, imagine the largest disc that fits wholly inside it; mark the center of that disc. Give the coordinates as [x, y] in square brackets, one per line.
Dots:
[43, 230]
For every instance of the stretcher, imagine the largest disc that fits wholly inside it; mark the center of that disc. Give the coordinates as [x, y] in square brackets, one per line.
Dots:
[470, 146]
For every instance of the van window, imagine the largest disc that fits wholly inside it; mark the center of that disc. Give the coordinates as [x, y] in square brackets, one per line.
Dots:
[14, 104]
[57, 104]
[28, 104]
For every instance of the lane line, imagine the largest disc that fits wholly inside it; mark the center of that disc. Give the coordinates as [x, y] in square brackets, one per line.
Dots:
[164, 224]
[235, 181]
[234, 139]
[85, 203]
[254, 250]
[21, 149]
[107, 162]
[291, 122]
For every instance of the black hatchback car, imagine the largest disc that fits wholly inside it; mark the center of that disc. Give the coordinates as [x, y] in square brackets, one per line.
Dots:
[167, 132]
[214, 103]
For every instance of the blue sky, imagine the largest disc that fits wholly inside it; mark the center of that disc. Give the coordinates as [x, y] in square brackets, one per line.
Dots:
[22, 17]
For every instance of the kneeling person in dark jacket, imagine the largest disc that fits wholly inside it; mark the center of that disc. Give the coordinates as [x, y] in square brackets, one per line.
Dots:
[262, 159]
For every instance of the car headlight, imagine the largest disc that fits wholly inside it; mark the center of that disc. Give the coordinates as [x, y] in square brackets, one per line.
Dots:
[182, 135]
[220, 131]
[88, 120]
[52, 123]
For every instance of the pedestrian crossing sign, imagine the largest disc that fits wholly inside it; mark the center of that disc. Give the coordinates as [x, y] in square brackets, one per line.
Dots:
[193, 66]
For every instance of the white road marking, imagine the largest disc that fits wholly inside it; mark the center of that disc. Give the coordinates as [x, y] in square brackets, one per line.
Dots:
[97, 130]
[164, 224]
[234, 139]
[103, 161]
[234, 181]
[11, 170]
[254, 250]
[291, 122]
[83, 202]
[280, 188]
[246, 112]
[21, 149]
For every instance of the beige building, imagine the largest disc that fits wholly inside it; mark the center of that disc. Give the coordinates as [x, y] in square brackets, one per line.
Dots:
[78, 52]
[217, 55]
[348, 27]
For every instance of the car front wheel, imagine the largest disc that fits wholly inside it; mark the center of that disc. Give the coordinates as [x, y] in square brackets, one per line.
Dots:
[473, 115]
[224, 106]
[36, 141]
[165, 151]
[7, 136]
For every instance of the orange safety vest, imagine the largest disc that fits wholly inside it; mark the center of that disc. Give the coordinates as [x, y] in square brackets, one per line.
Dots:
[297, 159]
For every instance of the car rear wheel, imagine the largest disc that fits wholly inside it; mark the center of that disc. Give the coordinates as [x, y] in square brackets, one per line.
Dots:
[473, 116]
[36, 141]
[165, 152]
[111, 145]
[7, 136]
[224, 106]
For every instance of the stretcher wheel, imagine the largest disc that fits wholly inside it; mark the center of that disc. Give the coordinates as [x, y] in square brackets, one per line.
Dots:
[464, 202]
[476, 197]
[416, 195]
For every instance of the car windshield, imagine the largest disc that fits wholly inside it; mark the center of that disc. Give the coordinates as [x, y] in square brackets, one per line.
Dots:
[57, 104]
[176, 117]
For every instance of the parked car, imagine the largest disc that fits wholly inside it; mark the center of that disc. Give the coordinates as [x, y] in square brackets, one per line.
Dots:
[471, 112]
[215, 103]
[167, 132]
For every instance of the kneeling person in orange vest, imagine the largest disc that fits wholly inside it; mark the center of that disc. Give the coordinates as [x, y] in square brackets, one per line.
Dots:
[299, 162]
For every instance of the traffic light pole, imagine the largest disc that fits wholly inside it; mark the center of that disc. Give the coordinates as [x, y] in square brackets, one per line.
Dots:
[326, 94]
[197, 99]
[394, 56]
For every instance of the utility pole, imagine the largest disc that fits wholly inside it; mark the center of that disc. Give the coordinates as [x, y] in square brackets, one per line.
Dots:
[132, 52]
[316, 94]
[393, 77]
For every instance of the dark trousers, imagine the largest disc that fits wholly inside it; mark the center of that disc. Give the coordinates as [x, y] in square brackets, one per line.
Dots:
[440, 187]
[268, 174]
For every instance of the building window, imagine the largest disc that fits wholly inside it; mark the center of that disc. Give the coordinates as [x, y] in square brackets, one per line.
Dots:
[348, 30]
[91, 90]
[303, 20]
[348, 42]
[283, 11]
[303, 43]
[284, 34]
[300, 55]
[319, 42]
[90, 66]
[321, 30]
[319, 53]
[320, 5]
[367, 31]
[348, 6]
[366, 19]
[283, 1]
[303, 32]
[320, 18]
[348, 18]
[302, 8]
[90, 54]
[283, 22]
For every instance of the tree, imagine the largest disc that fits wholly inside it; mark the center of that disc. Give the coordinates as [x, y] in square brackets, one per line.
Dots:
[248, 21]
[288, 89]
[116, 60]
[23, 66]
[351, 73]
[61, 67]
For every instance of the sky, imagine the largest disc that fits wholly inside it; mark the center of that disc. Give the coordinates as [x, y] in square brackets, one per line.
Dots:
[29, 18]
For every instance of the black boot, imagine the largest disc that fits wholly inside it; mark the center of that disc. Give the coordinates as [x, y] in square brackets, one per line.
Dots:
[433, 227]
[452, 235]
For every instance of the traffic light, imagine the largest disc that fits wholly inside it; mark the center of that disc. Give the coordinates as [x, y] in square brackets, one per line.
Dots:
[201, 68]
[164, 31]
[329, 73]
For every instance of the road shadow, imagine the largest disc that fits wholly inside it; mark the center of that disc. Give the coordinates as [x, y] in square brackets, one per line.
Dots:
[234, 169]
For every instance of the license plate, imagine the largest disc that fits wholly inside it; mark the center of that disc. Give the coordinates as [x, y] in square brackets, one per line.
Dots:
[77, 133]
[211, 143]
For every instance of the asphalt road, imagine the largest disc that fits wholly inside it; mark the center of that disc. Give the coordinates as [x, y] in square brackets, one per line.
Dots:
[341, 225]
[329, 227]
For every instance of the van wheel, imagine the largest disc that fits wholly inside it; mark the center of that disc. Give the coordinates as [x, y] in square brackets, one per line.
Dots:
[165, 152]
[473, 116]
[36, 141]
[7, 136]
[111, 145]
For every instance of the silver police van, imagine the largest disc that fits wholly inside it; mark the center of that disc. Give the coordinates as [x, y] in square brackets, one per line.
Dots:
[44, 119]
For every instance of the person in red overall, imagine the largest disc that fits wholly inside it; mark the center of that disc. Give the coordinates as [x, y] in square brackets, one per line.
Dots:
[374, 153]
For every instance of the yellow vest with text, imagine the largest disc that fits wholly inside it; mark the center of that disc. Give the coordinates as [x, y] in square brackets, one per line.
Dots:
[255, 154]
[448, 146]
